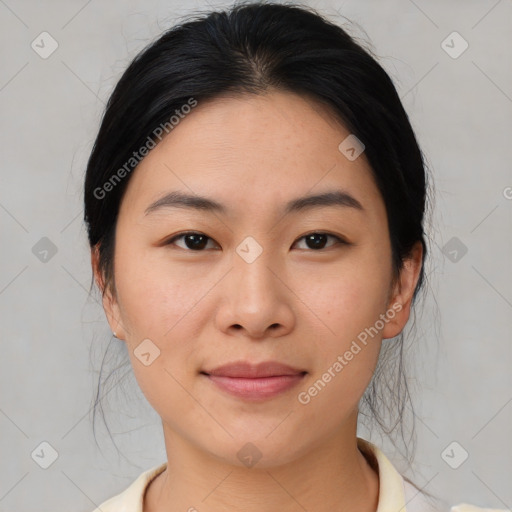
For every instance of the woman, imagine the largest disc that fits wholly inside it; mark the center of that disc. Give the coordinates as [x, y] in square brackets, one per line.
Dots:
[255, 202]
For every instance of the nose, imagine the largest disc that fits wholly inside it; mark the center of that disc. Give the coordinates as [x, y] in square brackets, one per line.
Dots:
[255, 301]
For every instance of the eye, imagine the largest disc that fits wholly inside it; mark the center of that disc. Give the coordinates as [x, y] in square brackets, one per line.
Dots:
[317, 240]
[196, 241]
[193, 240]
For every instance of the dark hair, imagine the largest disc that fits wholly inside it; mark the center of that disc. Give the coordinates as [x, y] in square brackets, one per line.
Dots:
[255, 48]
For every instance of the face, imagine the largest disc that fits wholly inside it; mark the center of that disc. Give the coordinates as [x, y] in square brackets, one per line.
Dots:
[309, 286]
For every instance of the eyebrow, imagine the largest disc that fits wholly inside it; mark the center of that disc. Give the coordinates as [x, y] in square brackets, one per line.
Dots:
[339, 198]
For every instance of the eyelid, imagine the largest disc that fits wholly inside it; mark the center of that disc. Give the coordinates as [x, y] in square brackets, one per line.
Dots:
[170, 241]
[339, 239]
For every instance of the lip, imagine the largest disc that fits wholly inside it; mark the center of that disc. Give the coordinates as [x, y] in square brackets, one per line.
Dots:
[246, 370]
[255, 382]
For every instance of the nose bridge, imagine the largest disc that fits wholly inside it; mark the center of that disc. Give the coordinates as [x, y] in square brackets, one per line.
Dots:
[252, 268]
[257, 300]
[254, 298]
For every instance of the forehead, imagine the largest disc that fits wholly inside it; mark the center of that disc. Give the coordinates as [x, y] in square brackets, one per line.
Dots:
[251, 152]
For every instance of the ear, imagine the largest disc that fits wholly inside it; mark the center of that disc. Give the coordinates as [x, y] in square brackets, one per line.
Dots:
[402, 293]
[110, 305]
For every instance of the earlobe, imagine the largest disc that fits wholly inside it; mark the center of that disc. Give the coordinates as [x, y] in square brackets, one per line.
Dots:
[109, 301]
[111, 308]
[399, 306]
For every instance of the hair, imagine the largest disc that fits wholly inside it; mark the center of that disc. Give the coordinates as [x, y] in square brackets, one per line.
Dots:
[256, 48]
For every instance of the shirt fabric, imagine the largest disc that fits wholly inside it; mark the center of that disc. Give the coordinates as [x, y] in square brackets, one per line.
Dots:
[395, 493]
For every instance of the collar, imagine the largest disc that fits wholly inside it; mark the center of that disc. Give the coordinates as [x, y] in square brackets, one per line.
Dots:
[391, 484]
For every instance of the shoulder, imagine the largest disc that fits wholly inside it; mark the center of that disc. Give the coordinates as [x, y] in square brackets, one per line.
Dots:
[131, 499]
[416, 501]
[396, 492]
[464, 507]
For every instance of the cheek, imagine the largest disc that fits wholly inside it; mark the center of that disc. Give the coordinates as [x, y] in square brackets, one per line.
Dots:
[345, 352]
[157, 303]
[154, 296]
[348, 299]
[347, 303]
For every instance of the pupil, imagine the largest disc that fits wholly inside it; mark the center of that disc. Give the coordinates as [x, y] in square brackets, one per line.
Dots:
[198, 244]
[316, 245]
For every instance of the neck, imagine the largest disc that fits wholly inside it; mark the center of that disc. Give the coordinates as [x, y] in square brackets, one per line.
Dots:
[334, 475]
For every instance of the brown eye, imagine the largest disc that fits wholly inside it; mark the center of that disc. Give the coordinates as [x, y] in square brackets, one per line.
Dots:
[318, 240]
[193, 240]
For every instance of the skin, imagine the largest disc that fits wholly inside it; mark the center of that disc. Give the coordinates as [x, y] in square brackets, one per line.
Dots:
[295, 304]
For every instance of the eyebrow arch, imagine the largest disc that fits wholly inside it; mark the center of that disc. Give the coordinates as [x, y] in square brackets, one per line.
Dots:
[181, 200]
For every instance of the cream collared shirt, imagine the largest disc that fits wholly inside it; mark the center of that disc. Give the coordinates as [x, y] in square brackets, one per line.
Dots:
[395, 493]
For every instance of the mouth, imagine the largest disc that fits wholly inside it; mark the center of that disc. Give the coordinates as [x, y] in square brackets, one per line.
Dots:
[255, 382]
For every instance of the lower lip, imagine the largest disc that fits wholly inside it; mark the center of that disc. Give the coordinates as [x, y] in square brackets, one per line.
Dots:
[256, 389]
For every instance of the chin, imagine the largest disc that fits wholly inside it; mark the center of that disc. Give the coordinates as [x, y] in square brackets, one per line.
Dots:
[253, 451]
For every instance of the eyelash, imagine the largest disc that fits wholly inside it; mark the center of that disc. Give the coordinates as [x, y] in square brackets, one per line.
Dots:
[338, 239]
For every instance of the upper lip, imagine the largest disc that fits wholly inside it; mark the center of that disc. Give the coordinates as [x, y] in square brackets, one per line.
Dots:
[247, 370]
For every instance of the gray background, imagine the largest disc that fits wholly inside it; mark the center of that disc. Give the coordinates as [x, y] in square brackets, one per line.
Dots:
[54, 336]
